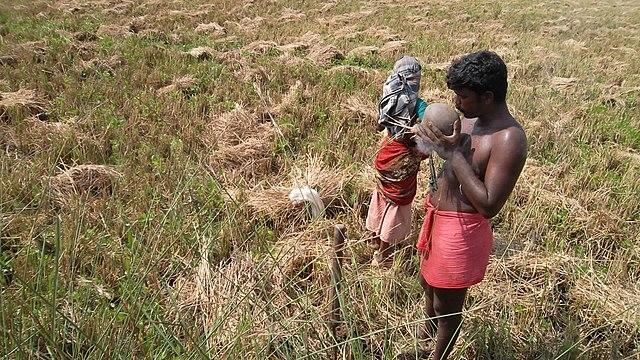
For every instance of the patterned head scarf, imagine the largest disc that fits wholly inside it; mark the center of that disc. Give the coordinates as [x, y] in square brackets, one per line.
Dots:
[399, 96]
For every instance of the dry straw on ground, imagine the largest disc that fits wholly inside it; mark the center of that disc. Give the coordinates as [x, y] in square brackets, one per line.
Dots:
[289, 15]
[37, 135]
[23, 100]
[114, 30]
[240, 142]
[364, 109]
[220, 298]
[562, 82]
[212, 29]
[363, 51]
[229, 256]
[394, 49]
[324, 55]
[178, 84]
[82, 179]
[274, 203]
[260, 47]
[294, 46]
[288, 101]
[202, 52]
[102, 65]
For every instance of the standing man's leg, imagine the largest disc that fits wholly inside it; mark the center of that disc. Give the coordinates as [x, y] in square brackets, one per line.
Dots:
[427, 330]
[447, 304]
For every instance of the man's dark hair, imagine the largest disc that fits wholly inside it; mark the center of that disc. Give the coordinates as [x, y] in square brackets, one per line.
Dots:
[479, 71]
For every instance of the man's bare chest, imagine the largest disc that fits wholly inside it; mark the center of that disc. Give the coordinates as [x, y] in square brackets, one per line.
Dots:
[476, 150]
[478, 153]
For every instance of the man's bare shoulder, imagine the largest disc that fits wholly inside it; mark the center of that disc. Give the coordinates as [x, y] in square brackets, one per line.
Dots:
[512, 138]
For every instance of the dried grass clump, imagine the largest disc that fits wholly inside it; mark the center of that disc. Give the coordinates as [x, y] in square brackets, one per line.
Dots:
[72, 7]
[628, 154]
[529, 286]
[114, 30]
[433, 94]
[289, 15]
[437, 66]
[607, 304]
[35, 135]
[310, 38]
[614, 95]
[273, 202]
[229, 127]
[383, 33]
[329, 181]
[365, 180]
[139, 24]
[219, 297]
[345, 18]
[326, 6]
[260, 47]
[213, 29]
[302, 258]
[533, 277]
[202, 52]
[289, 100]
[80, 36]
[97, 65]
[294, 47]
[18, 229]
[383, 300]
[362, 109]
[540, 284]
[563, 82]
[118, 8]
[363, 51]
[82, 179]
[8, 60]
[393, 49]
[323, 54]
[265, 295]
[21, 103]
[178, 84]
[347, 32]
[9, 142]
[249, 155]
[35, 50]
[247, 24]
[363, 73]
[574, 44]
[239, 142]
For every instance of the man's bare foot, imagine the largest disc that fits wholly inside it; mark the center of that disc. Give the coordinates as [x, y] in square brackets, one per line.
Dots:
[386, 251]
[414, 354]
[374, 243]
[379, 262]
[425, 335]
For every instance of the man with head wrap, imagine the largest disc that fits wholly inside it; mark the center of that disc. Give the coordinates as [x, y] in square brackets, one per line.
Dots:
[399, 100]
[397, 161]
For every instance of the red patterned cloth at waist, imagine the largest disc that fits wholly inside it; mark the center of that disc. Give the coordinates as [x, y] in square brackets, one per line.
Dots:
[397, 168]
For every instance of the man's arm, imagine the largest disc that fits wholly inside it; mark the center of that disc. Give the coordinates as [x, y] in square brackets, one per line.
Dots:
[507, 158]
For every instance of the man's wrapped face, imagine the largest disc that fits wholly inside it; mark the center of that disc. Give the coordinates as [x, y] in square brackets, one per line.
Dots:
[413, 80]
[399, 96]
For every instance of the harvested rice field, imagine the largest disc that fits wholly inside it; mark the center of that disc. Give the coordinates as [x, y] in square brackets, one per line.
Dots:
[148, 149]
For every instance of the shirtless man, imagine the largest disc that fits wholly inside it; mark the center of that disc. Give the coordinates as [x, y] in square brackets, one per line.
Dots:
[483, 160]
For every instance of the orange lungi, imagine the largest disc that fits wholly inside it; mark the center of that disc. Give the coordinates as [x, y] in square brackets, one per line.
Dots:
[454, 247]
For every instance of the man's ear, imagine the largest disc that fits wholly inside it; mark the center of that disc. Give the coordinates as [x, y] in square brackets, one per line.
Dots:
[487, 97]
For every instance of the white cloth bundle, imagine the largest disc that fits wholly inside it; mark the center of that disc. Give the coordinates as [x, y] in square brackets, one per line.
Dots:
[306, 194]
